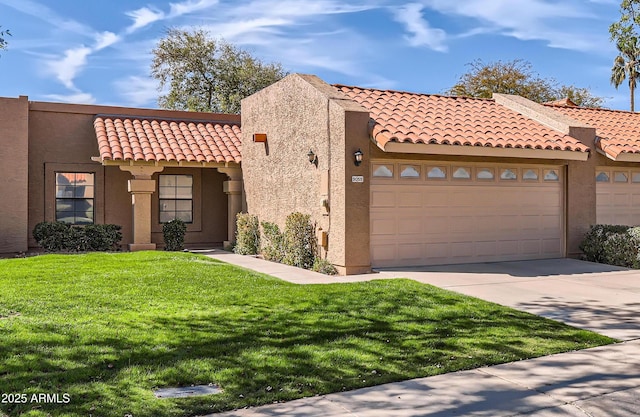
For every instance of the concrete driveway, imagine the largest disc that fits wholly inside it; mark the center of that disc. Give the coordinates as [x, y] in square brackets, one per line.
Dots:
[587, 295]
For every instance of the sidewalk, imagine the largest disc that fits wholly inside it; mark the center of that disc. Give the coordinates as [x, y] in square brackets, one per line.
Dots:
[598, 382]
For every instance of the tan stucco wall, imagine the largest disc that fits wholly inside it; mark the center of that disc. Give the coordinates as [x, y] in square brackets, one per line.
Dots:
[298, 114]
[581, 193]
[14, 119]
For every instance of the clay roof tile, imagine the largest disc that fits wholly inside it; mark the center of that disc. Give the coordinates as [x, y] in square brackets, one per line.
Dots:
[461, 121]
[140, 139]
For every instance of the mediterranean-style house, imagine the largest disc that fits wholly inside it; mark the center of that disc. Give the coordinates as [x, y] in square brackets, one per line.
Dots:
[389, 178]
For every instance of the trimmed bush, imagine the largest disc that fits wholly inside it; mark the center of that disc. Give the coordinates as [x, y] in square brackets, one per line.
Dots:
[272, 242]
[612, 244]
[299, 241]
[52, 236]
[173, 233]
[58, 236]
[247, 234]
[324, 267]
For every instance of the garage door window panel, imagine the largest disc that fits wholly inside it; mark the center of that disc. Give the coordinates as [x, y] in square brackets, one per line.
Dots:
[602, 176]
[410, 172]
[509, 174]
[436, 173]
[461, 173]
[551, 175]
[620, 177]
[485, 174]
[530, 175]
[635, 177]
[383, 171]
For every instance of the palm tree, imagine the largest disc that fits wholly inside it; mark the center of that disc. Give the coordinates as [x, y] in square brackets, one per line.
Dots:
[627, 66]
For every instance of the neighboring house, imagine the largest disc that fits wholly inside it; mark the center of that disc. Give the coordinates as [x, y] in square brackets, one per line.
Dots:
[442, 179]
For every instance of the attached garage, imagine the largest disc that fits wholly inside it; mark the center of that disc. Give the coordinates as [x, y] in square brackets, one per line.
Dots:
[617, 196]
[430, 213]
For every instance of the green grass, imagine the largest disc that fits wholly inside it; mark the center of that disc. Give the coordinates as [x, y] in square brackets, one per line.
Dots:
[109, 328]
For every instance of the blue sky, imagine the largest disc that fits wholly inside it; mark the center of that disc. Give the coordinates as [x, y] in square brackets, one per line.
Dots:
[99, 51]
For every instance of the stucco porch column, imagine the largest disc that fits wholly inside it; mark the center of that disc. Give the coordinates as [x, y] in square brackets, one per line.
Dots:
[141, 188]
[233, 189]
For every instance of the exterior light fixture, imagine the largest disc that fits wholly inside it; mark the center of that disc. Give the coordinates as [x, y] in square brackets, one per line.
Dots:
[312, 157]
[357, 157]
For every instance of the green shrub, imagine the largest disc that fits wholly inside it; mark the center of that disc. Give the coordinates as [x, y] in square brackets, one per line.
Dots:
[58, 236]
[272, 242]
[247, 234]
[613, 245]
[324, 267]
[299, 241]
[173, 233]
[51, 236]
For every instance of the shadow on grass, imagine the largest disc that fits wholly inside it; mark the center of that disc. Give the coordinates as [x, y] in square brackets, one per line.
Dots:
[108, 341]
[334, 343]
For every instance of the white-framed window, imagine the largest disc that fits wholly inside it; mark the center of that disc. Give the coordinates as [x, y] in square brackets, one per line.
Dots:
[461, 173]
[509, 174]
[176, 198]
[436, 173]
[75, 197]
[409, 171]
[485, 174]
[530, 174]
[383, 171]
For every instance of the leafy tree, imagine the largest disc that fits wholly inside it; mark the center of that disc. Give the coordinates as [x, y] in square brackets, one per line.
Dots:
[3, 39]
[517, 77]
[625, 34]
[206, 74]
[581, 96]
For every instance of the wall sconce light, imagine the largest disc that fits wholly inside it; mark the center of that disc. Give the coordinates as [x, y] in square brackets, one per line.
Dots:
[260, 137]
[357, 157]
[313, 158]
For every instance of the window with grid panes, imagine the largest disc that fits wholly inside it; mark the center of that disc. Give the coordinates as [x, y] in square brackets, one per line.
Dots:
[176, 198]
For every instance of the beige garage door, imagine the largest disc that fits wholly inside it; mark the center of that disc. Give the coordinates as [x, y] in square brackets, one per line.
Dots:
[438, 213]
[617, 196]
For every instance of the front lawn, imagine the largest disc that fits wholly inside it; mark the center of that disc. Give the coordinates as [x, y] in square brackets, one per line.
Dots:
[107, 329]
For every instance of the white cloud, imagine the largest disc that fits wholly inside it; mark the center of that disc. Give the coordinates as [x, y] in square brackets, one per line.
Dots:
[300, 8]
[190, 6]
[66, 68]
[255, 29]
[421, 34]
[527, 20]
[104, 40]
[77, 98]
[137, 91]
[143, 17]
[44, 13]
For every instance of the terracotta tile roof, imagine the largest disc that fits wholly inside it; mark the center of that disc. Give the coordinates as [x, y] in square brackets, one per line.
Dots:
[617, 131]
[462, 121]
[141, 139]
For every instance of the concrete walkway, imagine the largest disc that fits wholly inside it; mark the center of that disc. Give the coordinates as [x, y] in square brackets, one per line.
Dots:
[603, 381]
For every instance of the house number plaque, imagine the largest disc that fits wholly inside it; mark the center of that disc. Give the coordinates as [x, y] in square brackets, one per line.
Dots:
[357, 178]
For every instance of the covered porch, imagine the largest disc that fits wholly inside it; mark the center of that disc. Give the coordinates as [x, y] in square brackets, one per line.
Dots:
[168, 162]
